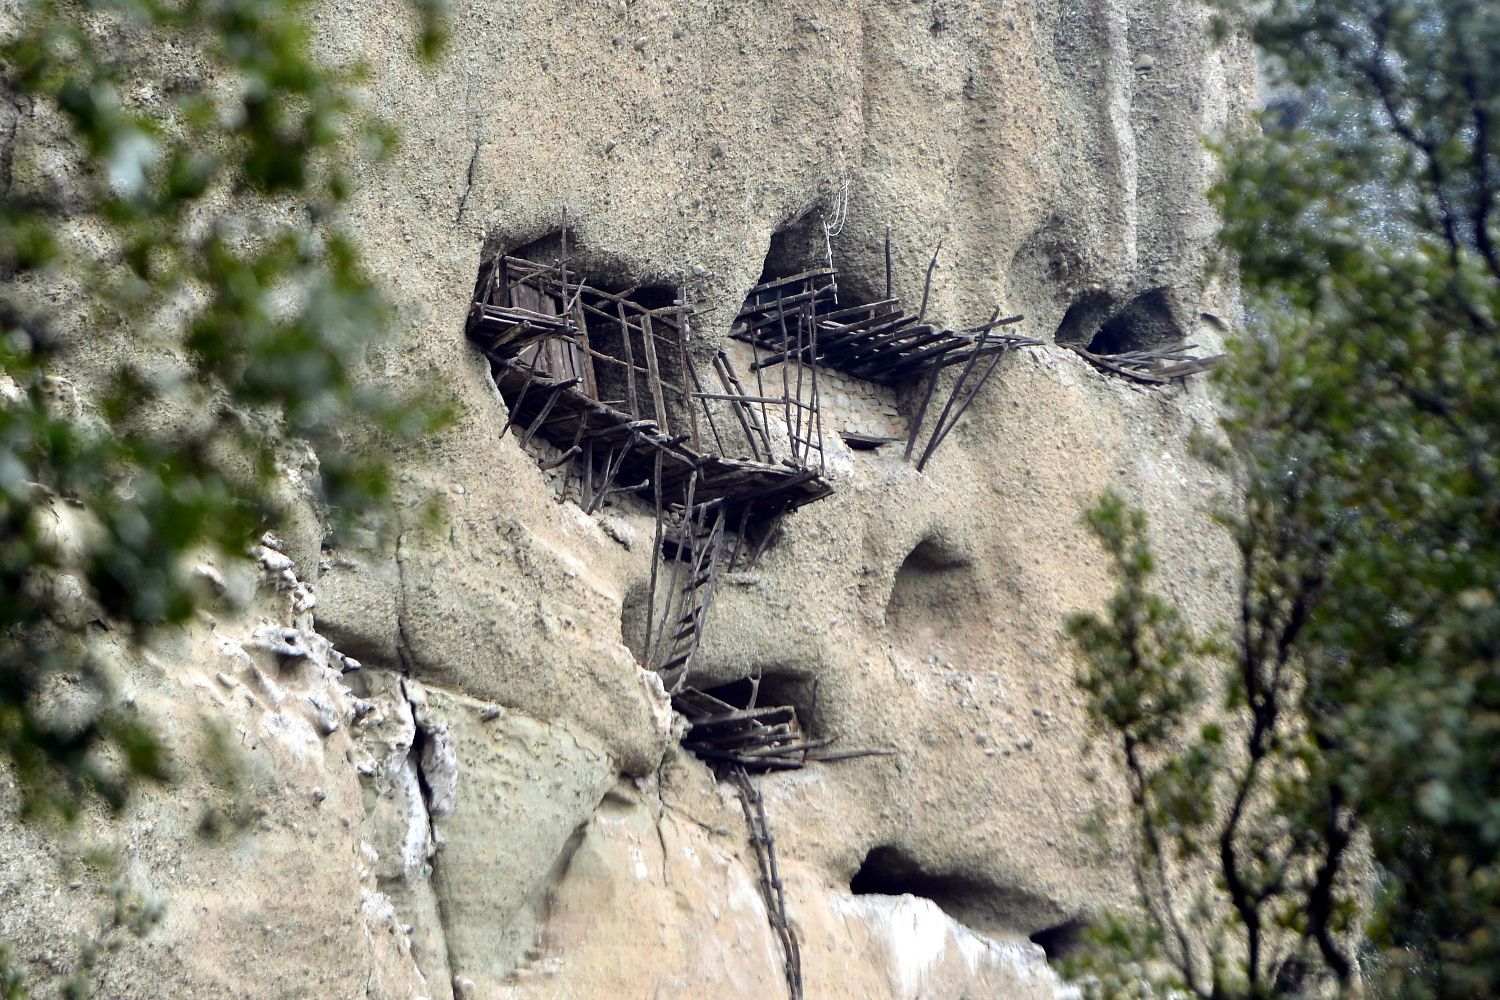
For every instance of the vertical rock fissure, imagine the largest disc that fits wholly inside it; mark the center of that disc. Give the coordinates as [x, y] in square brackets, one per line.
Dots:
[463, 201]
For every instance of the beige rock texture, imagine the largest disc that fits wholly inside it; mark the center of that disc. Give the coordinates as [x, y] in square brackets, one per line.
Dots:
[495, 805]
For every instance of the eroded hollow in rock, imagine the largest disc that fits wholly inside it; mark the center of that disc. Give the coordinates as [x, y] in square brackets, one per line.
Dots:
[796, 247]
[998, 912]
[890, 871]
[1144, 324]
[935, 589]
[1059, 940]
[1083, 319]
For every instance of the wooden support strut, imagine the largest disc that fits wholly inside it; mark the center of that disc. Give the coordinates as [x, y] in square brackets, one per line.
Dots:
[887, 261]
[957, 387]
[557, 390]
[687, 371]
[635, 406]
[739, 412]
[654, 374]
[942, 432]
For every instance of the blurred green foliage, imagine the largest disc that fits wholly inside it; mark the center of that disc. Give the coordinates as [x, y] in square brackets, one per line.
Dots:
[192, 238]
[1341, 786]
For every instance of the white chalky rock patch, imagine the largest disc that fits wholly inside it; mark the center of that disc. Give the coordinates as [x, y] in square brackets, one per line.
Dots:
[922, 941]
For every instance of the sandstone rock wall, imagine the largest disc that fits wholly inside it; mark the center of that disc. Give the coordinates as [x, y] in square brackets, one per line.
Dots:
[495, 805]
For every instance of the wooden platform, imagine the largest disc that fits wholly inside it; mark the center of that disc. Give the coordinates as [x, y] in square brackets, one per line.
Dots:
[1154, 367]
[630, 449]
[873, 341]
[558, 347]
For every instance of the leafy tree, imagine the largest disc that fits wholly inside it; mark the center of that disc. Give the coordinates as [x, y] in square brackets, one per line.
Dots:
[1354, 723]
[196, 239]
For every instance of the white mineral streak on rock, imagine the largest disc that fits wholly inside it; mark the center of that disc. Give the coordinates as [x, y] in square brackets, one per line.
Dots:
[923, 944]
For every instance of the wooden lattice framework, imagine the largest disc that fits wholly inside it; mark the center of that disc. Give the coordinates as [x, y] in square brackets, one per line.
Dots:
[874, 341]
[561, 349]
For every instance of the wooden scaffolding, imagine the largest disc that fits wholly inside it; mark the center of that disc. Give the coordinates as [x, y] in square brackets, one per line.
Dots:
[610, 382]
[873, 341]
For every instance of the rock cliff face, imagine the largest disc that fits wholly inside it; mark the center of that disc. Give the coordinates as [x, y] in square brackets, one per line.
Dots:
[496, 804]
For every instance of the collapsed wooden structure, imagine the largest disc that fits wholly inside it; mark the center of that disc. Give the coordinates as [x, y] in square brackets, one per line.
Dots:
[755, 737]
[609, 380]
[1151, 367]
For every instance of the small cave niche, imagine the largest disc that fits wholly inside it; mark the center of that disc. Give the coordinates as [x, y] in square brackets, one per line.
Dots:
[935, 589]
[1060, 940]
[798, 691]
[633, 619]
[1095, 323]
[890, 871]
[1144, 324]
[796, 247]
[991, 910]
[1083, 319]
[800, 246]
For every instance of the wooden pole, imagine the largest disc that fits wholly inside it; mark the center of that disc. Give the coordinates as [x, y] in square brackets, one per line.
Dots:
[887, 261]
[927, 288]
[653, 374]
[635, 406]
[687, 396]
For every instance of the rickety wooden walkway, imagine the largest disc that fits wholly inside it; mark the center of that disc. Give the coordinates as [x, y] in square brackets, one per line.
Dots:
[627, 451]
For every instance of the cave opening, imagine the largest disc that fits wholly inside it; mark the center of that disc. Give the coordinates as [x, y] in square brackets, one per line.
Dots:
[1097, 324]
[994, 911]
[1144, 324]
[795, 691]
[1084, 317]
[795, 248]
[889, 871]
[1060, 940]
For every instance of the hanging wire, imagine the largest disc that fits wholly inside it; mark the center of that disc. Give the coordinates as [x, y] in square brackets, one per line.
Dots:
[834, 228]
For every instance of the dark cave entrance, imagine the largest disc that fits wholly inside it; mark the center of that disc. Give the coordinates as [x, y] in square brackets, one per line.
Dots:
[1145, 323]
[888, 870]
[1061, 940]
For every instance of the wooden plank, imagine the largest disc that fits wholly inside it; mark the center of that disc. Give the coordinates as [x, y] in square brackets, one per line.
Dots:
[865, 442]
[1188, 367]
[654, 375]
[682, 354]
[590, 386]
[775, 283]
